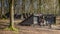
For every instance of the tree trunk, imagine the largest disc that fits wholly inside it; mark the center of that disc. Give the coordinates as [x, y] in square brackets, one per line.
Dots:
[59, 7]
[23, 6]
[11, 10]
[2, 12]
[2, 9]
[31, 6]
[39, 8]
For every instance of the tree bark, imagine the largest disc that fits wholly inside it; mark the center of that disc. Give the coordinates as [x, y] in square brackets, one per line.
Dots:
[23, 6]
[31, 6]
[11, 10]
[39, 8]
[2, 9]
[59, 7]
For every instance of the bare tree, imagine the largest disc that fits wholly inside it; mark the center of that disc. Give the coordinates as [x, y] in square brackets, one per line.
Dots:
[23, 6]
[31, 6]
[59, 6]
[2, 8]
[39, 6]
[2, 12]
[11, 10]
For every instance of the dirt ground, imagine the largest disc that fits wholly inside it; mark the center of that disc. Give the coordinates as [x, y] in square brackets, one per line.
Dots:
[31, 30]
[27, 29]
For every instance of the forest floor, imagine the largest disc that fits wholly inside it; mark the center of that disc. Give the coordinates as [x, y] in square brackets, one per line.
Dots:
[25, 29]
